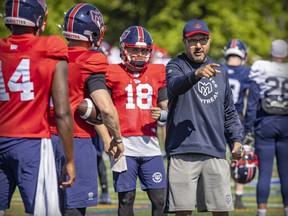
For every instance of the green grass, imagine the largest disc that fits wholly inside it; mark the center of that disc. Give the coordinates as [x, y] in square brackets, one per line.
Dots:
[142, 204]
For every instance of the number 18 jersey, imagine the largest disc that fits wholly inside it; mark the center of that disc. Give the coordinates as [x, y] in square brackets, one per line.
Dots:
[133, 94]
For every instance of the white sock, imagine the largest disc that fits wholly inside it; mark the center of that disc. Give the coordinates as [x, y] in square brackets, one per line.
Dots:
[239, 193]
[2, 212]
[286, 211]
[261, 212]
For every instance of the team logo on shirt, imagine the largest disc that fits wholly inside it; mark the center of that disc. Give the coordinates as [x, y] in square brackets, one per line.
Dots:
[157, 177]
[206, 90]
[90, 196]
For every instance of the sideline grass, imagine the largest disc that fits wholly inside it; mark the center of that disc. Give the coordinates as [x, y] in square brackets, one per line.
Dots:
[142, 204]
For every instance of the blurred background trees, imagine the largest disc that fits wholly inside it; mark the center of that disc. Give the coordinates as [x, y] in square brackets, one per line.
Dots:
[256, 22]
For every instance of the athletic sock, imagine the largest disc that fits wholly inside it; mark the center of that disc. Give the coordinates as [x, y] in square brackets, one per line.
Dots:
[261, 212]
[238, 193]
[286, 211]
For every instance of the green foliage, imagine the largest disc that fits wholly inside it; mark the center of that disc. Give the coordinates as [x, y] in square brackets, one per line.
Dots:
[257, 22]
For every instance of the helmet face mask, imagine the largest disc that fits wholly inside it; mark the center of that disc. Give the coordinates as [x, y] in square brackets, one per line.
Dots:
[30, 13]
[236, 47]
[244, 170]
[136, 47]
[138, 56]
[84, 22]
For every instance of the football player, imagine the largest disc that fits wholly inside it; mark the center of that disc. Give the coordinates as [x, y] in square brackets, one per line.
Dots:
[267, 115]
[84, 29]
[138, 90]
[32, 68]
[236, 56]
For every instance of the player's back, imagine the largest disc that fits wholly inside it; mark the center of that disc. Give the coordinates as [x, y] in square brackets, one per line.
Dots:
[27, 65]
[239, 82]
[82, 64]
[272, 78]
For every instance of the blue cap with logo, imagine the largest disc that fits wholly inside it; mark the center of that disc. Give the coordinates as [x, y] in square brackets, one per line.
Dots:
[195, 26]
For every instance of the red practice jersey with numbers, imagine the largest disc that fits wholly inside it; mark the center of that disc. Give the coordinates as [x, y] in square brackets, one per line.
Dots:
[82, 63]
[133, 94]
[27, 65]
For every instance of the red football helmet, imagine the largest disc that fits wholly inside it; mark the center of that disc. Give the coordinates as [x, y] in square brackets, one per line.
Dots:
[244, 170]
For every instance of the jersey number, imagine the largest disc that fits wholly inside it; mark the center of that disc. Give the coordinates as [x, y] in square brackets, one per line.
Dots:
[235, 87]
[143, 96]
[277, 86]
[18, 82]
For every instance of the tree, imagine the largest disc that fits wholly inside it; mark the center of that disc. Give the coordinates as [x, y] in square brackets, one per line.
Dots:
[257, 22]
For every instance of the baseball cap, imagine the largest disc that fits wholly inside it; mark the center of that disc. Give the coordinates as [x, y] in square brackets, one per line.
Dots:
[279, 48]
[195, 26]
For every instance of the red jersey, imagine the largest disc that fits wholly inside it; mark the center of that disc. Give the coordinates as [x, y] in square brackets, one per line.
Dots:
[82, 63]
[133, 94]
[27, 65]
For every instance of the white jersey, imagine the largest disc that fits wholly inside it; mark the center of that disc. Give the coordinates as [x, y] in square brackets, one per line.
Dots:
[272, 78]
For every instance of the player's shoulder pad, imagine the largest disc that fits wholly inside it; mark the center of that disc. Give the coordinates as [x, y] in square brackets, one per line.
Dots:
[157, 68]
[95, 56]
[95, 62]
[259, 63]
[56, 46]
[157, 71]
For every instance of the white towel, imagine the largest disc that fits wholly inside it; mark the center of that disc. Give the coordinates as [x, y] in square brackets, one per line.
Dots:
[120, 165]
[47, 199]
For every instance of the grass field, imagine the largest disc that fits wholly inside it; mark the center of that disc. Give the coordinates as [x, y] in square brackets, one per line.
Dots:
[142, 205]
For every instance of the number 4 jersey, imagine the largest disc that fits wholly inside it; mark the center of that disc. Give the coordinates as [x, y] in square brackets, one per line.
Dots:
[27, 65]
[133, 94]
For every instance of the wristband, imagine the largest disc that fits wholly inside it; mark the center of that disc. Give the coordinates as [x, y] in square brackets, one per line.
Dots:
[163, 116]
[118, 141]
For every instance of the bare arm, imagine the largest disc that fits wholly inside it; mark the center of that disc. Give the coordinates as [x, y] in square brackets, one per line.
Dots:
[104, 135]
[110, 119]
[110, 146]
[64, 119]
[108, 111]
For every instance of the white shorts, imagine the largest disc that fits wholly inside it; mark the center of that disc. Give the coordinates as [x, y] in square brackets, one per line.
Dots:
[198, 179]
